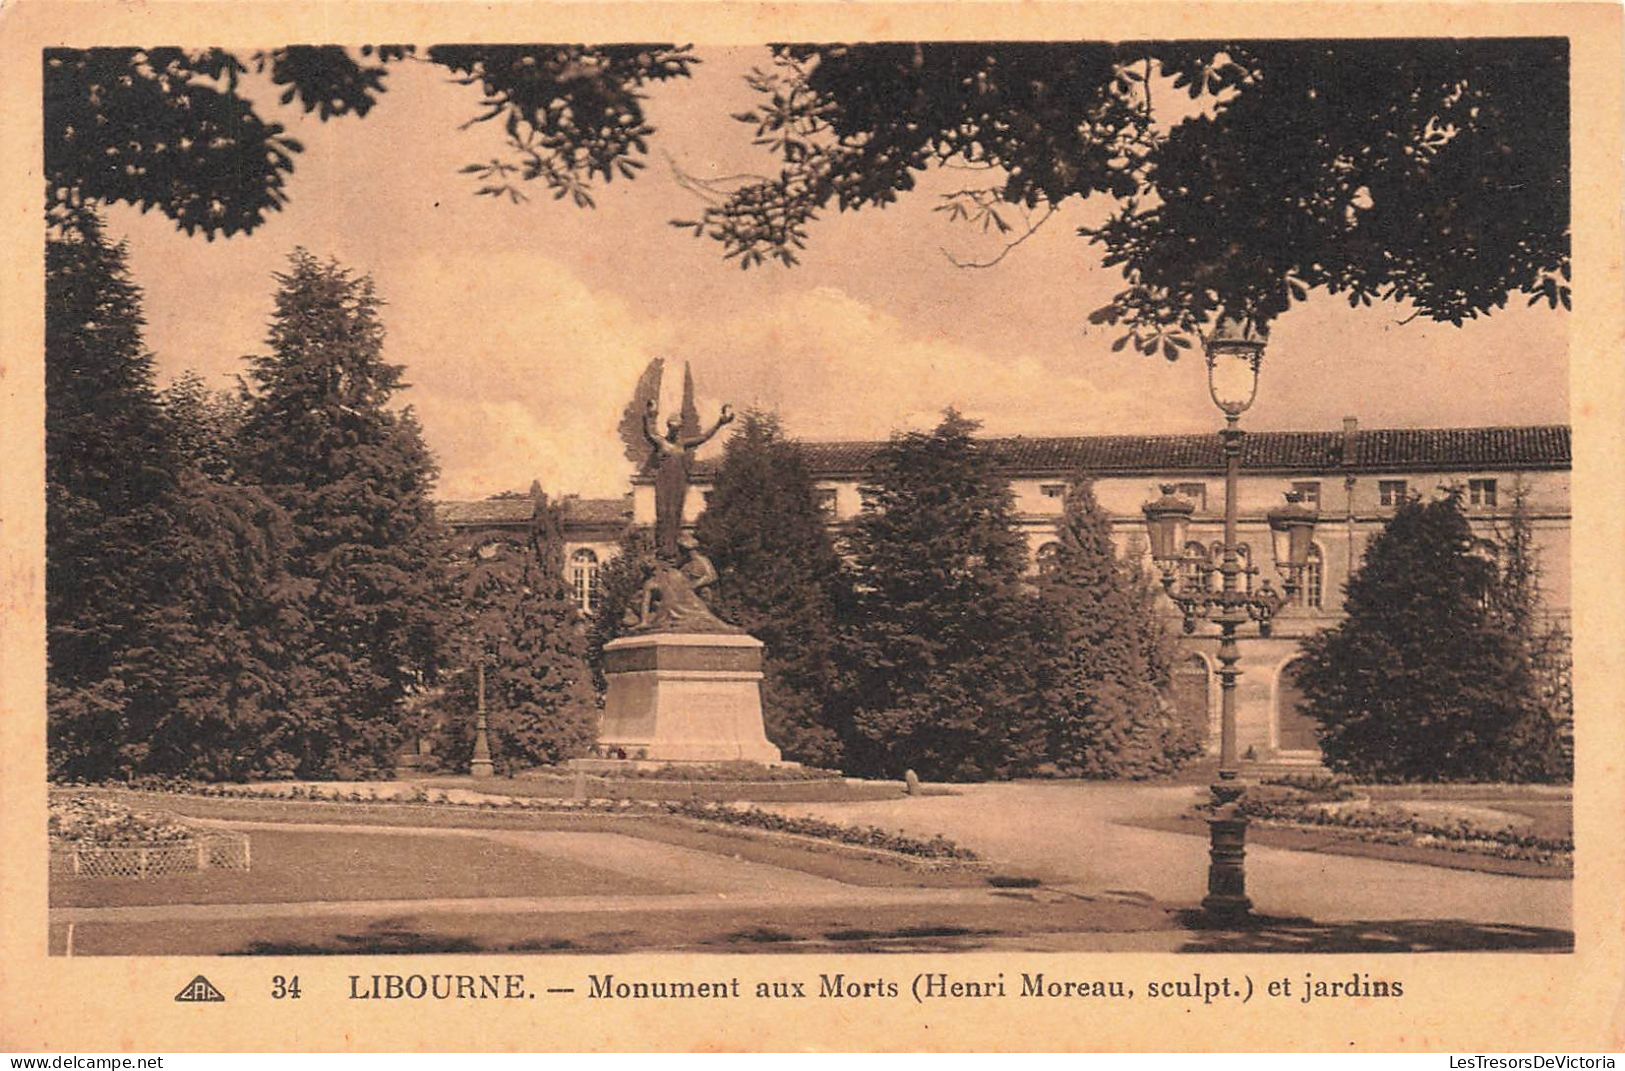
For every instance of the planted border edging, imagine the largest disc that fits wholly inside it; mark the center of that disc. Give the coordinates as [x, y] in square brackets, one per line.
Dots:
[835, 847]
[866, 842]
[870, 838]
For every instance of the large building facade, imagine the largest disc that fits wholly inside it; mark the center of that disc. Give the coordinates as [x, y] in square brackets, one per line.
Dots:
[1355, 478]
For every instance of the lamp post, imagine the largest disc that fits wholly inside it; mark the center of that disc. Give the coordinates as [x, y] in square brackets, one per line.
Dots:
[1234, 352]
[481, 766]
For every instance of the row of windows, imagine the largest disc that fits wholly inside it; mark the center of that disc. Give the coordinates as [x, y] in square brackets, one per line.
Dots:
[1199, 560]
[584, 570]
[1480, 492]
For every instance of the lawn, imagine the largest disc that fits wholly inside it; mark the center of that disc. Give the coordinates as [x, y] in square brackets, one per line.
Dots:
[294, 867]
[1047, 925]
[563, 786]
[1376, 825]
[791, 928]
[829, 861]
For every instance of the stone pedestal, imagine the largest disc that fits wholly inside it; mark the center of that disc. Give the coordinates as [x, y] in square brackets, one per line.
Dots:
[685, 697]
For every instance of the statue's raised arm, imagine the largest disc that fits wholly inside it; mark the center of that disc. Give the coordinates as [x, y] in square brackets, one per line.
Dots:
[650, 413]
[697, 441]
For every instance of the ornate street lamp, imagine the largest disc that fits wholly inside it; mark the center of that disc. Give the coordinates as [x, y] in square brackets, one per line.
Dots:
[1292, 530]
[1234, 352]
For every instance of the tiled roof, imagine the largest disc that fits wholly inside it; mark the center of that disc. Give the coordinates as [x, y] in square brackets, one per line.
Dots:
[1388, 449]
[518, 510]
[1532, 447]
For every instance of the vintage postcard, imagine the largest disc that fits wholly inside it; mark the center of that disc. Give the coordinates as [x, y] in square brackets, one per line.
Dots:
[812, 527]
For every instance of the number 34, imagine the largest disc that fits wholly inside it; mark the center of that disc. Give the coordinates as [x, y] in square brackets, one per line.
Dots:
[285, 988]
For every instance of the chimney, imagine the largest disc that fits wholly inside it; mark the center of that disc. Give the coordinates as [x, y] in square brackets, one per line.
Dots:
[1351, 430]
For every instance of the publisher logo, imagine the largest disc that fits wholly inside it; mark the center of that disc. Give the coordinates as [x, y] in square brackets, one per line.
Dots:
[199, 991]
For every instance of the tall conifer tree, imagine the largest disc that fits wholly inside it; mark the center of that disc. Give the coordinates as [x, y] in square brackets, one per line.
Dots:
[1106, 659]
[355, 477]
[779, 578]
[941, 648]
[109, 471]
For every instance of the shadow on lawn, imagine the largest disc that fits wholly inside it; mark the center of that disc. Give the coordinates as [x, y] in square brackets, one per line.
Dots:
[1382, 935]
[390, 937]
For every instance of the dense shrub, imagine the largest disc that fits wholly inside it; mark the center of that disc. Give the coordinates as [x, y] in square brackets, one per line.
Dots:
[1426, 679]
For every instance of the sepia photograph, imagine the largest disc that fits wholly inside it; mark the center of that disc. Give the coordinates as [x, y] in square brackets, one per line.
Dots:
[848, 496]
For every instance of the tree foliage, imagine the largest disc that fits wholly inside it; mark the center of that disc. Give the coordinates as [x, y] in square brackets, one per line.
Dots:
[204, 424]
[522, 621]
[205, 693]
[110, 473]
[940, 646]
[1106, 656]
[1519, 601]
[355, 478]
[620, 581]
[168, 597]
[779, 578]
[1424, 679]
[1433, 172]
[171, 128]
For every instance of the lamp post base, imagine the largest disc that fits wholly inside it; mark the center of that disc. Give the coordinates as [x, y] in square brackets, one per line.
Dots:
[1226, 899]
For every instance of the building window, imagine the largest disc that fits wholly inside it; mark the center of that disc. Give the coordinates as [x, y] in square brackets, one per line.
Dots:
[1481, 492]
[825, 497]
[1244, 559]
[1046, 556]
[1391, 492]
[584, 579]
[1196, 492]
[1308, 492]
[1312, 584]
[1193, 568]
[1053, 490]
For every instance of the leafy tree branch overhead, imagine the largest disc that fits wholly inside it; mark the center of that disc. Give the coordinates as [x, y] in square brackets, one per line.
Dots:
[170, 129]
[1240, 175]
[1433, 172]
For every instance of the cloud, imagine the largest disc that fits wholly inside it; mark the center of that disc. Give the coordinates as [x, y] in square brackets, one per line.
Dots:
[532, 387]
[836, 367]
[521, 376]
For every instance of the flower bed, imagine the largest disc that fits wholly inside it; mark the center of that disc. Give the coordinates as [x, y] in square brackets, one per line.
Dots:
[1331, 805]
[936, 849]
[100, 838]
[685, 772]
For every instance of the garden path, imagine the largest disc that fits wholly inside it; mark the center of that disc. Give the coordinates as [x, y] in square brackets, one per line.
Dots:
[1072, 832]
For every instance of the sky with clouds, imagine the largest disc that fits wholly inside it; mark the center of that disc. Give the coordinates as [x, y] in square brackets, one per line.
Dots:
[524, 327]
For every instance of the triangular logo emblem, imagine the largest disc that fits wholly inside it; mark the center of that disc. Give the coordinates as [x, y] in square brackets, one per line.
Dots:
[199, 990]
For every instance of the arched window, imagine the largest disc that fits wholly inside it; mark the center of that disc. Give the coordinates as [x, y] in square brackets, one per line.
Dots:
[584, 579]
[1312, 585]
[1046, 556]
[1295, 730]
[1190, 690]
[1193, 566]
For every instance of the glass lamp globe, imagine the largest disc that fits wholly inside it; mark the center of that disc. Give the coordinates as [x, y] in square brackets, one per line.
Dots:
[1234, 352]
[1167, 521]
